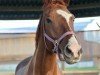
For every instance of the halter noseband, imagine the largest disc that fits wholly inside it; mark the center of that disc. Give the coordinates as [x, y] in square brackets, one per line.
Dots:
[57, 42]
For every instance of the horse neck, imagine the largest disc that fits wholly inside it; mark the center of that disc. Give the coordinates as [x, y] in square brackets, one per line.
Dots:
[44, 62]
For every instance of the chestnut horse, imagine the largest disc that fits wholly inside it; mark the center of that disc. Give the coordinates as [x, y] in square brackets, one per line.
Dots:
[54, 37]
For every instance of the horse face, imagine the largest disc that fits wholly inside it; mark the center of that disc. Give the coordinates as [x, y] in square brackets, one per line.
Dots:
[57, 22]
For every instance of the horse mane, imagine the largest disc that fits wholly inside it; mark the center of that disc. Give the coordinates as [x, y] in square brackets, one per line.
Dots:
[39, 31]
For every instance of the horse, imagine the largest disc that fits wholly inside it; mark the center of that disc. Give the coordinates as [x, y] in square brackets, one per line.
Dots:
[55, 38]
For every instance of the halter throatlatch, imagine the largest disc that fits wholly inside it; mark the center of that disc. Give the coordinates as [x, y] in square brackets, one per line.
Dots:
[57, 42]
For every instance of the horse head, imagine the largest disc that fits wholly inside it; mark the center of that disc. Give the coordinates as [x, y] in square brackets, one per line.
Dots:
[58, 31]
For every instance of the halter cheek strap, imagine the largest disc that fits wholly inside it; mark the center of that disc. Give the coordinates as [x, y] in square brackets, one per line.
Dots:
[56, 42]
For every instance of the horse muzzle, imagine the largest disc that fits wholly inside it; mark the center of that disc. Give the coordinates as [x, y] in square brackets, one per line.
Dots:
[72, 55]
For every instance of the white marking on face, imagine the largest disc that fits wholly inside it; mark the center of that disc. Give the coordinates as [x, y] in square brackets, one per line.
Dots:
[64, 14]
[74, 46]
[73, 40]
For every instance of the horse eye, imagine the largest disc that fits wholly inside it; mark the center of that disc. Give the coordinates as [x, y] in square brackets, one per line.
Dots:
[48, 20]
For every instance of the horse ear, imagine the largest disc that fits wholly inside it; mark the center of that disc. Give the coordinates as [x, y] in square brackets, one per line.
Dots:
[66, 2]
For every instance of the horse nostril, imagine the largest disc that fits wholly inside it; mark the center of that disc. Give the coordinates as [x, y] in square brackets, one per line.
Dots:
[68, 52]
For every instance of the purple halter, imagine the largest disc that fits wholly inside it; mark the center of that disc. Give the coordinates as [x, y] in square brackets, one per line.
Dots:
[56, 42]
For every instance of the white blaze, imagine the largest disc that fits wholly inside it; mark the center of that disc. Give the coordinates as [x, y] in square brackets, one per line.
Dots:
[64, 14]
